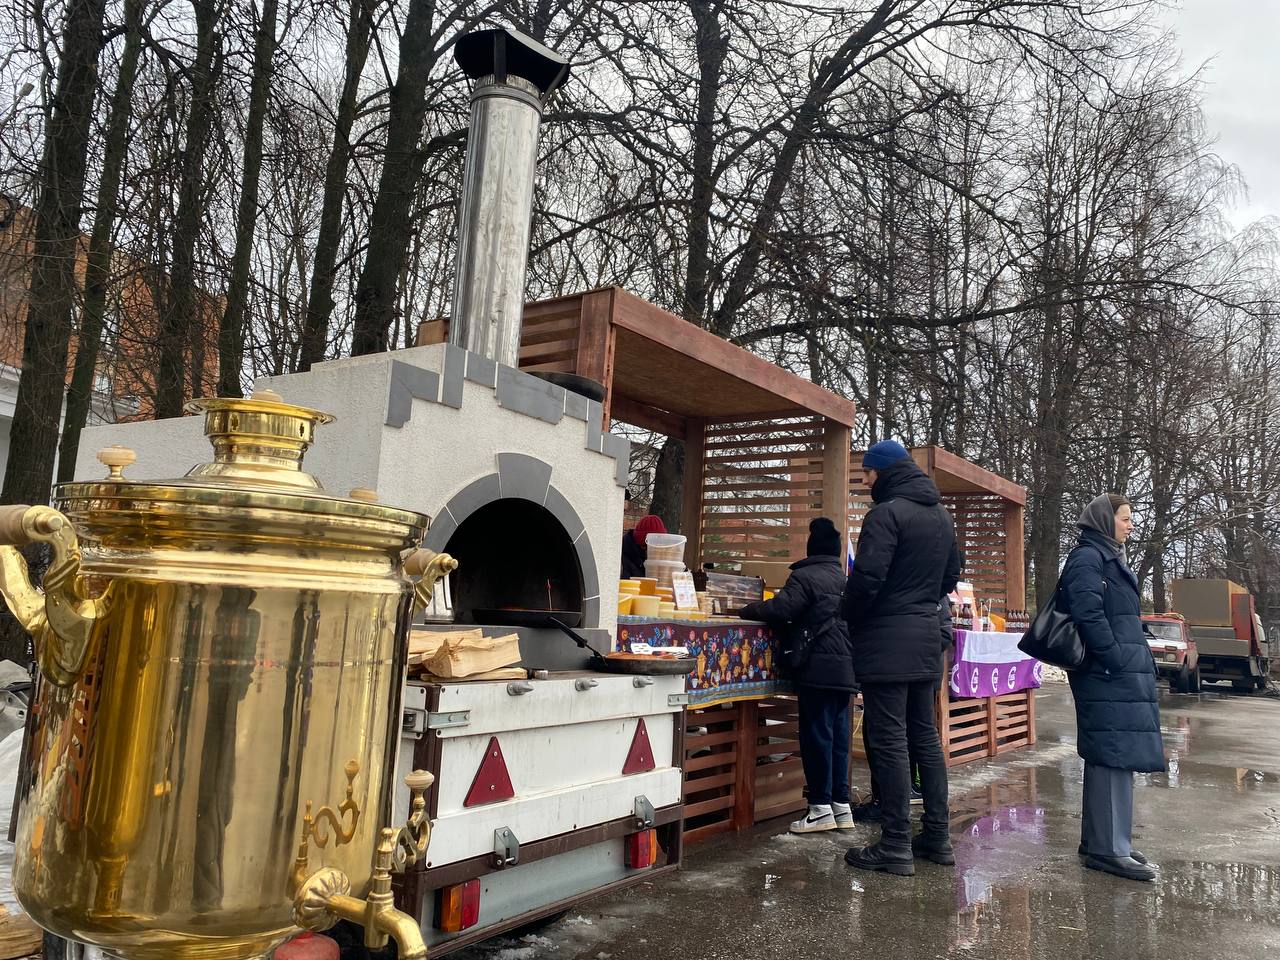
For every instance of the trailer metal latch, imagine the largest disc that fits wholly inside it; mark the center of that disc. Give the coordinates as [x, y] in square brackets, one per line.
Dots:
[584, 684]
[644, 812]
[506, 848]
[454, 718]
[639, 682]
[677, 699]
[413, 723]
[519, 688]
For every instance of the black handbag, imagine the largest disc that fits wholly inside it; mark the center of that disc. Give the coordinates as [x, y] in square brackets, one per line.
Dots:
[1053, 638]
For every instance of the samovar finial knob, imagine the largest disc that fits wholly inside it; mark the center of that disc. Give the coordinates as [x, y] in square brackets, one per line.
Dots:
[267, 395]
[115, 458]
[419, 781]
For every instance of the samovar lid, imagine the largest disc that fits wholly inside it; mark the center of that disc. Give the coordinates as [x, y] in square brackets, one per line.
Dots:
[258, 447]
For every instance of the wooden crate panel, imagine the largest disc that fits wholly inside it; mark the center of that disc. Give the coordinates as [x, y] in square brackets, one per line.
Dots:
[710, 771]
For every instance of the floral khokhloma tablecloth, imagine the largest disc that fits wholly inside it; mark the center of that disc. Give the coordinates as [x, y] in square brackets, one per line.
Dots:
[736, 661]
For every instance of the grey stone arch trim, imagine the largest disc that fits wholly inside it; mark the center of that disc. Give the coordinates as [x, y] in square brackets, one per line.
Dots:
[522, 477]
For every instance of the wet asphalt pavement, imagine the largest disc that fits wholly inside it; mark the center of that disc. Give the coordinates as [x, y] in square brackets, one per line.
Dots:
[1017, 891]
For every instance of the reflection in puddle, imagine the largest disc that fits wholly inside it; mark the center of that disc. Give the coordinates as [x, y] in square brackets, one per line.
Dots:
[1191, 773]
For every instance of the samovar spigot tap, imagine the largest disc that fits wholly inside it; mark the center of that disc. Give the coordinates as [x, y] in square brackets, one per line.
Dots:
[324, 897]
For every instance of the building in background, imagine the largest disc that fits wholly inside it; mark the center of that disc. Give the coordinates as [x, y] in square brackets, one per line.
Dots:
[124, 382]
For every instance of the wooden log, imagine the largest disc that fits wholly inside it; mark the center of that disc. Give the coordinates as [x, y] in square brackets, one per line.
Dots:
[468, 656]
[19, 935]
[424, 644]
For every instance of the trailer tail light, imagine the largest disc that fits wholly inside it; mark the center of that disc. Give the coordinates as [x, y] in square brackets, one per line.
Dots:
[458, 907]
[642, 849]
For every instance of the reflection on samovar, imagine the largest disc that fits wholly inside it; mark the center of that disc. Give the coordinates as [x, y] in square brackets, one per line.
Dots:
[216, 725]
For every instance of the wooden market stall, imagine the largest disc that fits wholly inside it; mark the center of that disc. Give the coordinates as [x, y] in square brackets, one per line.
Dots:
[765, 452]
[988, 511]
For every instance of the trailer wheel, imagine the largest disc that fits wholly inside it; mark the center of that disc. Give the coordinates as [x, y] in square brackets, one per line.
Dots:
[1243, 686]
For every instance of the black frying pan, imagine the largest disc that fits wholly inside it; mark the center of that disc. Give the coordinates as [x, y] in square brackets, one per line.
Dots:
[657, 665]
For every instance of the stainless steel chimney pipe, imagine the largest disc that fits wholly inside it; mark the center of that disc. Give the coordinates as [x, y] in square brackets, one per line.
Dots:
[513, 76]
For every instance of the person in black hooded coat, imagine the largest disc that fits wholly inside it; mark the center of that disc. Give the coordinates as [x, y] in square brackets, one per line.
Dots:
[816, 654]
[1117, 705]
[904, 566]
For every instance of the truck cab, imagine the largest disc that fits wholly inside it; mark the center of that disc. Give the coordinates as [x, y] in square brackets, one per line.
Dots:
[1174, 650]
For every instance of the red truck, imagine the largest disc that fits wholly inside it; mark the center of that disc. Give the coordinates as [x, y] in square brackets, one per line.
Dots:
[1230, 643]
[1174, 649]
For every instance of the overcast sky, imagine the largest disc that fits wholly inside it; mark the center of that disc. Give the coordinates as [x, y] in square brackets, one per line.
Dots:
[1242, 94]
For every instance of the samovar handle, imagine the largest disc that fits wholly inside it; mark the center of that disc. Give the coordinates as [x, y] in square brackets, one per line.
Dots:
[60, 617]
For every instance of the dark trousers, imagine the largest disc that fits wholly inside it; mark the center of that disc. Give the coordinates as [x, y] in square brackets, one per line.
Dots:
[824, 744]
[900, 731]
[1106, 828]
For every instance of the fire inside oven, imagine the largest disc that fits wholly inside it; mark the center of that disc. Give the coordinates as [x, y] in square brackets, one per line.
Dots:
[515, 562]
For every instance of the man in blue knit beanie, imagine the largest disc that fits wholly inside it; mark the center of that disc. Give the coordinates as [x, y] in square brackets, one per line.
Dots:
[906, 564]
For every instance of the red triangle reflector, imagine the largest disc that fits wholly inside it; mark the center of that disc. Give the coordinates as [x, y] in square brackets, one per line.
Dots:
[492, 782]
[640, 756]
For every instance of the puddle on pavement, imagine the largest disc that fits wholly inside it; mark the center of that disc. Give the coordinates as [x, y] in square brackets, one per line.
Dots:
[1192, 773]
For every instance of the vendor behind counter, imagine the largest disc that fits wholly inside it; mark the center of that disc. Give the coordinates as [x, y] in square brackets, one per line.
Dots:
[634, 550]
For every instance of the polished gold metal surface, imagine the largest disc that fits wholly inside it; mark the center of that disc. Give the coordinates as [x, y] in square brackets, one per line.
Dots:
[341, 823]
[324, 897]
[217, 652]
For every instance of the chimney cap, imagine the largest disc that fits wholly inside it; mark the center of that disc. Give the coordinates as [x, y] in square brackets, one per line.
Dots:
[501, 52]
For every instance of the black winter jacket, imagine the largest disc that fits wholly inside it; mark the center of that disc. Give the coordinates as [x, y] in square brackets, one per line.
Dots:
[806, 611]
[1117, 707]
[905, 564]
[633, 557]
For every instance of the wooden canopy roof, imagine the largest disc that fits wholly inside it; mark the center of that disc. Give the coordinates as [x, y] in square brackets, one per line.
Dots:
[662, 371]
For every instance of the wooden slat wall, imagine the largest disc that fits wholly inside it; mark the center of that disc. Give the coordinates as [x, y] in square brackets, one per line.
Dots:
[981, 535]
[549, 337]
[761, 485]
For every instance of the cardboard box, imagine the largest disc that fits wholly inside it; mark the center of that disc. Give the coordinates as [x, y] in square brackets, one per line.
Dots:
[774, 573]
[1206, 602]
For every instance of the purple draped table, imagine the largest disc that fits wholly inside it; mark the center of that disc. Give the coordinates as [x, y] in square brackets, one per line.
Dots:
[991, 665]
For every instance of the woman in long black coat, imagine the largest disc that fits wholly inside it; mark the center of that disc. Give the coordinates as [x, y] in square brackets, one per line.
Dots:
[1117, 708]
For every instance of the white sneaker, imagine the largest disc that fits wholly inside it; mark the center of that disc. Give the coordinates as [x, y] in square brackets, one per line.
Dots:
[843, 814]
[817, 820]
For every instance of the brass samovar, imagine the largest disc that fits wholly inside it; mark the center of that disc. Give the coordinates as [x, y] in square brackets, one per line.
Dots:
[214, 736]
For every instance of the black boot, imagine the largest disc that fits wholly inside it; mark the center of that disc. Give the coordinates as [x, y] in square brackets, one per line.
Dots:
[937, 849]
[876, 857]
[868, 812]
[1132, 853]
[1126, 867]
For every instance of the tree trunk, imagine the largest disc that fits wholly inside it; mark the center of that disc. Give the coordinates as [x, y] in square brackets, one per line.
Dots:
[181, 312]
[667, 484]
[315, 333]
[52, 293]
[712, 45]
[98, 268]
[33, 438]
[389, 225]
[231, 330]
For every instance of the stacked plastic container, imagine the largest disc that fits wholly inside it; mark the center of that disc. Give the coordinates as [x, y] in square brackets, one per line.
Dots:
[665, 556]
